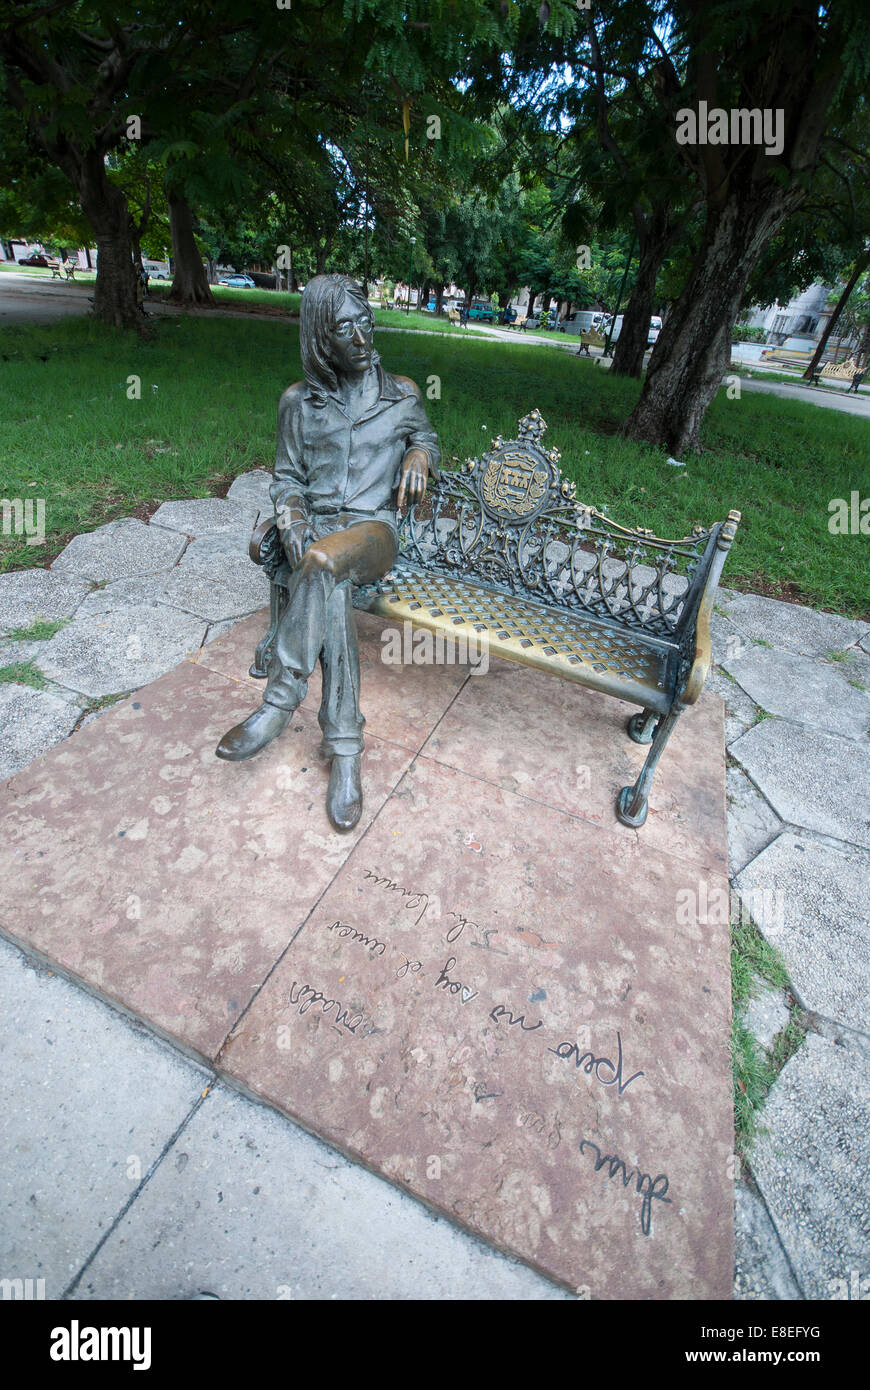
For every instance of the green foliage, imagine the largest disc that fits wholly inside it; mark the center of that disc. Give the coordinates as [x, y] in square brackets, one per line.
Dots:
[213, 416]
[23, 673]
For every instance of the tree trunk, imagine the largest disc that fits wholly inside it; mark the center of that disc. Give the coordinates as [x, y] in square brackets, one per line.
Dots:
[693, 349]
[439, 296]
[105, 207]
[322, 255]
[857, 271]
[189, 282]
[631, 344]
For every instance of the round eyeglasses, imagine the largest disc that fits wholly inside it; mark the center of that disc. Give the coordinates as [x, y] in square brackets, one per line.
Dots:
[346, 328]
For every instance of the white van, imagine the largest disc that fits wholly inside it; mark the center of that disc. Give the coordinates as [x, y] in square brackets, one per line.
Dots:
[655, 328]
[581, 321]
[158, 270]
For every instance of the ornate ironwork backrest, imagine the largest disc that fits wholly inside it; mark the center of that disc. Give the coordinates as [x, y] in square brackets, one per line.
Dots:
[511, 519]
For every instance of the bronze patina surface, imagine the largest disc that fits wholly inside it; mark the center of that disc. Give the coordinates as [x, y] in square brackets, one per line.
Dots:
[354, 445]
[502, 557]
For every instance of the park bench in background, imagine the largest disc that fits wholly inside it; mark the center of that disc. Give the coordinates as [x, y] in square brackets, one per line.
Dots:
[841, 371]
[502, 553]
[588, 339]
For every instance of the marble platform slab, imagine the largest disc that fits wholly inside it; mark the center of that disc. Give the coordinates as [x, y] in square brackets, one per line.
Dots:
[491, 993]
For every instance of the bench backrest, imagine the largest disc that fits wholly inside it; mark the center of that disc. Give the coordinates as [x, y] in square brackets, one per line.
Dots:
[512, 520]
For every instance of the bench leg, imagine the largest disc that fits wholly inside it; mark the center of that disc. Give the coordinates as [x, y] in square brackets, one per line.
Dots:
[259, 666]
[632, 804]
[642, 725]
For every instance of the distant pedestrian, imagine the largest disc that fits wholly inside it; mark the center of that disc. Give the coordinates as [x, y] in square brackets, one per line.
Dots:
[141, 289]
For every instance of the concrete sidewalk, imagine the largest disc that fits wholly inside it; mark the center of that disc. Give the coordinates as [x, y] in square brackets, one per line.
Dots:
[131, 1174]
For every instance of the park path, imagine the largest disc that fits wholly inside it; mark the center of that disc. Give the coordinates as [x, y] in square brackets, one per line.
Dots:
[796, 688]
[31, 299]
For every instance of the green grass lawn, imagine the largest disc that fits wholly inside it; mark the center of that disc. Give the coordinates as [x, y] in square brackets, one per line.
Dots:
[209, 391]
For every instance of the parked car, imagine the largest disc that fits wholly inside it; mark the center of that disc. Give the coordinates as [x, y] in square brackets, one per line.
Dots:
[481, 311]
[35, 260]
[582, 321]
[238, 282]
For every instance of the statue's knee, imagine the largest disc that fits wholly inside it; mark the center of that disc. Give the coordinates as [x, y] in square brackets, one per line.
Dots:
[317, 561]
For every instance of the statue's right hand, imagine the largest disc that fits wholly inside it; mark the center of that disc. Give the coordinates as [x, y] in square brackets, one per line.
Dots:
[296, 539]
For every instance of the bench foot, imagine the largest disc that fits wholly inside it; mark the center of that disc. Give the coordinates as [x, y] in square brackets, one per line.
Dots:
[623, 804]
[631, 805]
[641, 726]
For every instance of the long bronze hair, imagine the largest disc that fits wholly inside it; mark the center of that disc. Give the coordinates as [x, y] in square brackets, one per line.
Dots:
[321, 300]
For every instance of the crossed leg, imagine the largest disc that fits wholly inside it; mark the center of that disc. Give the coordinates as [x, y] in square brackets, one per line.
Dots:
[318, 618]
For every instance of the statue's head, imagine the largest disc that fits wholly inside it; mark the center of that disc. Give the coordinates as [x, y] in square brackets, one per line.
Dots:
[335, 332]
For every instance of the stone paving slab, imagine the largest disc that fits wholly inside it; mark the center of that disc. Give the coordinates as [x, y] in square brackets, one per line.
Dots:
[31, 722]
[26, 595]
[494, 1004]
[807, 690]
[400, 703]
[818, 915]
[211, 552]
[790, 627]
[118, 550]
[88, 1103]
[811, 779]
[247, 1205]
[168, 879]
[767, 1013]
[812, 1163]
[14, 652]
[107, 653]
[762, 1268]
[751, 823]
[252, 488]
[740, 712]
[200, 516]
[555, 742]
[214, 597]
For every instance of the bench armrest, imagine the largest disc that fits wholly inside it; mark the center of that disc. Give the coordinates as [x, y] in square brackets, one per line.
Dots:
[703, 653]
[256, 548]
[703, 658]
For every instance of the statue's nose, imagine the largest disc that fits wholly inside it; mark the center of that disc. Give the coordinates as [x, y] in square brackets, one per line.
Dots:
[359, 336]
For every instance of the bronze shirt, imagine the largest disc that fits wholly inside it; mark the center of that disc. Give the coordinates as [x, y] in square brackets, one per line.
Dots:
[337, 464]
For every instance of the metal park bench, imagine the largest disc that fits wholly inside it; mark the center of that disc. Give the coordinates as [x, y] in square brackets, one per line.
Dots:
[590, 338]
[501, 553]
[841, 371]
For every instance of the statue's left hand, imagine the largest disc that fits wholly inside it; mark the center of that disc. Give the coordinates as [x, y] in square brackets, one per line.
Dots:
[414, 476]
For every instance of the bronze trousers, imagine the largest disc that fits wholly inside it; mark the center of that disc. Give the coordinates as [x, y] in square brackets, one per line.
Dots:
[318, 622]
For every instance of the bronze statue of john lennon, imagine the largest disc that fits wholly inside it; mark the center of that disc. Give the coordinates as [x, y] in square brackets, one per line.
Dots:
[354, 446]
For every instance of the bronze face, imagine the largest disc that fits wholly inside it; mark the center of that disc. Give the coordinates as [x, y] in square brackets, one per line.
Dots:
[350, 342]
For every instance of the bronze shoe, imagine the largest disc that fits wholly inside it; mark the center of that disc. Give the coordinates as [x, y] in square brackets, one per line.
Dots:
[254, 733]
[344, 795]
